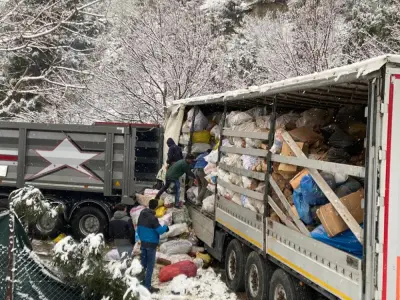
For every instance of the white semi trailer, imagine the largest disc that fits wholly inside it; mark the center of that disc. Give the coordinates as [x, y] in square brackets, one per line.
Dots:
[275, 261]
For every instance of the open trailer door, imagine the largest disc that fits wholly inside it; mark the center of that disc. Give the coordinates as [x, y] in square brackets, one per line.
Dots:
[389, 221]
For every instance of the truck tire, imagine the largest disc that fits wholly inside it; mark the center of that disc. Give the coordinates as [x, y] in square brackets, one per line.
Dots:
[47, 229]
[88, 220]
[285, 287]
[235, 260]
[257, 277]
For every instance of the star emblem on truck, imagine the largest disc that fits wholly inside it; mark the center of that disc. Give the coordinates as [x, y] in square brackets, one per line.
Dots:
[65, 155]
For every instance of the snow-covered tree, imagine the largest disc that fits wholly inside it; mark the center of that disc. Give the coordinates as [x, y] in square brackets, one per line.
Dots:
[29, 204]
[307, 38]
[161, 51]
[43, 47]
[374, 28]
[83, 264]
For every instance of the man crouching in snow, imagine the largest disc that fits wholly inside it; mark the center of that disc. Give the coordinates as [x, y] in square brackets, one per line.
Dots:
[121, 230]
[149, 231]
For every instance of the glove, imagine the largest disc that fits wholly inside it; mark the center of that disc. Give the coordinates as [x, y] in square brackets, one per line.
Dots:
[167, 229]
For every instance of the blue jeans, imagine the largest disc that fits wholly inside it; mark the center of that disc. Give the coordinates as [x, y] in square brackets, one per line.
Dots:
[148, 260]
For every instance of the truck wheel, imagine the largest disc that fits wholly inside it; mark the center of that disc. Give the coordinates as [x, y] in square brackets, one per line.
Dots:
[257, 277]
[235, 260]
[47, 228]
[88, 220]
[284, 287]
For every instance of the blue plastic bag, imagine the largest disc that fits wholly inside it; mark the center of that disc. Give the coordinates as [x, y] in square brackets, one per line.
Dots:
[312, 194]
[346, 241]
[302, 207]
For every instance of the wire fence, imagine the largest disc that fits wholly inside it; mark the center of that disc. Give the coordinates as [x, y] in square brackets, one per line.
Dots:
[22, 275]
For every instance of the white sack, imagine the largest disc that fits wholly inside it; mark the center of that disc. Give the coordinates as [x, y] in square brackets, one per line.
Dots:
[208, 204]
[176, 247]
[177, 229]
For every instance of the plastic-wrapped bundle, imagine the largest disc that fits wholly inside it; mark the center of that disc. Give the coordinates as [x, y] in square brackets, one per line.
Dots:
[287, 121]
[278, 142]
[264, 122]
[314, 117]
[210, 168]
[200, 122]
[237, 118]
[233, 160]
[208, 204]
[223, 175]
[235, 179]
[246, 203]
[249, 162]
[176, 247]
[216, 131]
[212, 157]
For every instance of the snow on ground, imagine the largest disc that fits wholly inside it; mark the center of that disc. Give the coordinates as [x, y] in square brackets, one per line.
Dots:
[206, 285]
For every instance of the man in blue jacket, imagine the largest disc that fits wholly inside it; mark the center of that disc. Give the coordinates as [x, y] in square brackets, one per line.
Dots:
[149, 231]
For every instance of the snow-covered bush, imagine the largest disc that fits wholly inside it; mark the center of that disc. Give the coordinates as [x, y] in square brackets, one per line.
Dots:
[83, 264]
[29, 204]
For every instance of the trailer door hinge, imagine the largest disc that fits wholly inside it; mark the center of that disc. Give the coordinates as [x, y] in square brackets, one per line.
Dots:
[382, 155]
[378, 295]
[384, 108]
[379, 248]
[380, 201]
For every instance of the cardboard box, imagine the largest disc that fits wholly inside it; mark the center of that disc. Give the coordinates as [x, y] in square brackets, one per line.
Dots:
[295, 182]
[332, 221]
[286, 151]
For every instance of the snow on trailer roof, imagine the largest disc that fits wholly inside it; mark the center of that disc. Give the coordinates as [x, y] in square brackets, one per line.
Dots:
[332, 88]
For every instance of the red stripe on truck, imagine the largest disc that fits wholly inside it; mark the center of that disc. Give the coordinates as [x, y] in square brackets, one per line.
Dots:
[387, 186]
[4, 157]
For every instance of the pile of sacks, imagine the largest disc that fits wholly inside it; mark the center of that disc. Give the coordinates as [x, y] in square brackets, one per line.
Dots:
[179, 251]
[206, 132]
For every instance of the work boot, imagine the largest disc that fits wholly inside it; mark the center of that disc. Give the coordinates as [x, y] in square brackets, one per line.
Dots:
[153, 290]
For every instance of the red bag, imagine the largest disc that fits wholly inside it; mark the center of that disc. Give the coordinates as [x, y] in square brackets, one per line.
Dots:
[186, 267]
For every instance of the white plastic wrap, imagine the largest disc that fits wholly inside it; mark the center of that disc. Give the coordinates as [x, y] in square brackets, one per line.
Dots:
[212, 157]
[245, 127]
[198, 262]
[200, 122]
[211, 187]
[192, 193]
[238, 142]
[286, 119]
[135, 212]
[237, 118]
[168, 199]
[165, 219]
[176, 247]
[208, 204]
[247, 204]
[314, 117]
[178, 258]
[184, 138]
[210, 168]
[235, 179]
[236, 199]
[216, 131]
[223, 175]
[264, 122]
[278, 142]
[200, 147]
[249, 162]
[233, 160]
